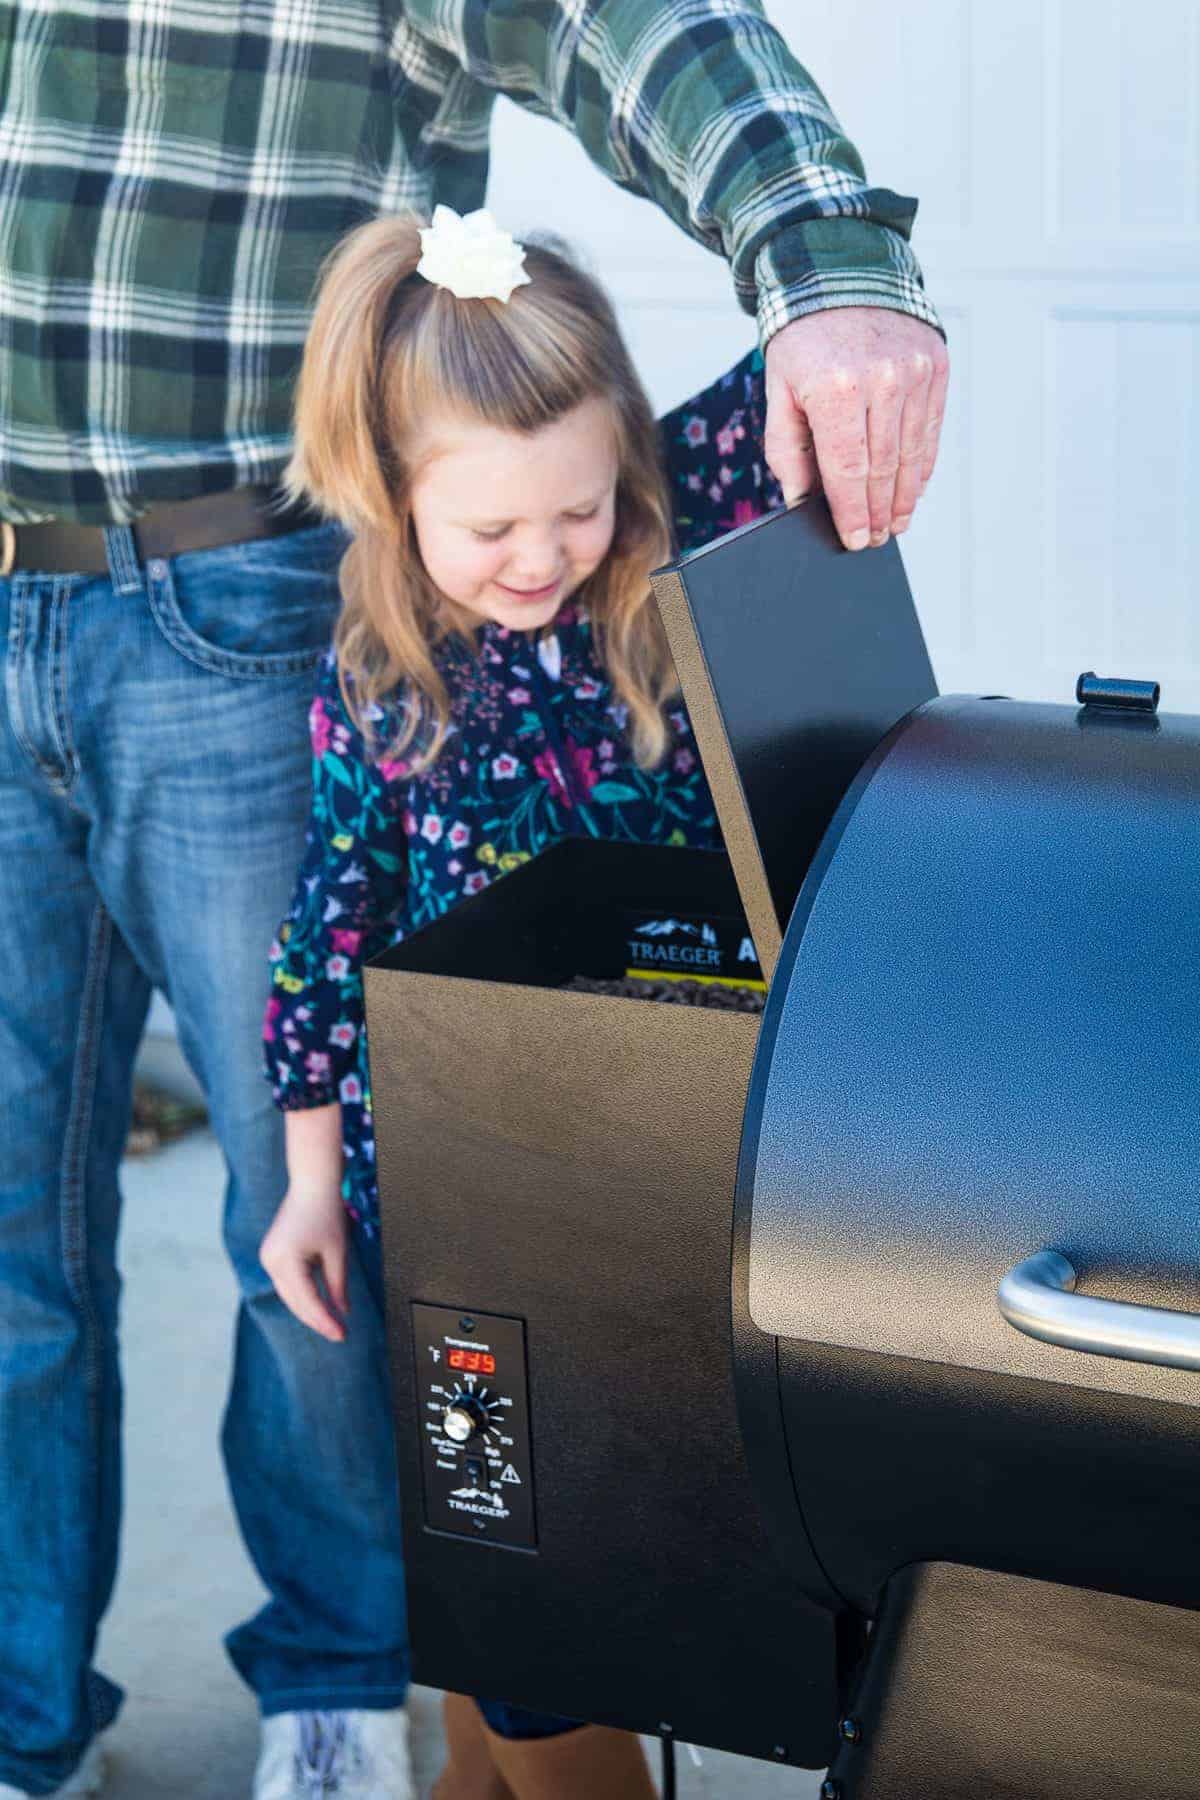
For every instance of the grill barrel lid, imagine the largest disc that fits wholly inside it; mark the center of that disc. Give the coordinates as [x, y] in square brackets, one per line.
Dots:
[796, 657]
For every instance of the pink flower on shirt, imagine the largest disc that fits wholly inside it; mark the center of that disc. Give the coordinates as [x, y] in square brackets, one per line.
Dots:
[743, 512]
[348, 941]
[583, 763]
[319, 728]
[546, 764]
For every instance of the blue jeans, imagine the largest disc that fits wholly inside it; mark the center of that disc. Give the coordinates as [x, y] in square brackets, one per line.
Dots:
[154, 777]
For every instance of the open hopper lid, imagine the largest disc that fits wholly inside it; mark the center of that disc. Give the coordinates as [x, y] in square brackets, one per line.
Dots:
[796, 657]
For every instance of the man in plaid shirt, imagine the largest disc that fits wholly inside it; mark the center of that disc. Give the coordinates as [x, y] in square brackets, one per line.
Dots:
[171, 175]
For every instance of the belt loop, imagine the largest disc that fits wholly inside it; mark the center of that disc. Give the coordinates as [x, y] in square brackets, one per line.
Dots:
[120, 547]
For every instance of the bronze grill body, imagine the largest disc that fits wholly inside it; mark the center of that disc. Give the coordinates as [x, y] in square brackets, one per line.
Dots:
[626, 1499]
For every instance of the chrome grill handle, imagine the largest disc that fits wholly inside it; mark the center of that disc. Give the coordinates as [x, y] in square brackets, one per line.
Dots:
[1038, 1297]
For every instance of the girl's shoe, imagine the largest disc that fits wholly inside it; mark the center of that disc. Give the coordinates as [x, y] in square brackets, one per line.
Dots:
[88, 1779]
[334, 1756]
[470, 1773]
[592, 1762]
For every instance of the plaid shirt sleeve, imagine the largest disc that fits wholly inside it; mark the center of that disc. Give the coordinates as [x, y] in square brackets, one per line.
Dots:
[700, 106]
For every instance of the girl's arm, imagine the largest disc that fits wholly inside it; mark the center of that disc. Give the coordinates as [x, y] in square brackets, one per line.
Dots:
[350, 884]
[307, 1238]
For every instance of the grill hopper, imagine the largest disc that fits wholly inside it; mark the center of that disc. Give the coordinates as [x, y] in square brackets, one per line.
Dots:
[557, 1170]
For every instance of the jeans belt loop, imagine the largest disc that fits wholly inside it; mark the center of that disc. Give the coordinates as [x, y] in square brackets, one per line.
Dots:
[8, 548]
[124, 564]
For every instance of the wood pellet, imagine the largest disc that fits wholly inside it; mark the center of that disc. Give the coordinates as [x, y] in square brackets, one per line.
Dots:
[673, 993]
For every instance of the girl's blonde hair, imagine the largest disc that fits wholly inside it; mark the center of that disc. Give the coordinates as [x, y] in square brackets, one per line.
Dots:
[389, 351]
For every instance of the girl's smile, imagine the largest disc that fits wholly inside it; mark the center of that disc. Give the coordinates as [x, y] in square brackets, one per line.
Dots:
[542, 593]
[510, 524]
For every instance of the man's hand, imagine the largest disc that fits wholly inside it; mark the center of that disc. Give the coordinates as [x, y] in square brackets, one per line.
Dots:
[855, 397]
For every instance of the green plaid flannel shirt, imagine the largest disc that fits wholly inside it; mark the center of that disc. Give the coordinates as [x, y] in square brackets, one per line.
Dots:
[171, 175]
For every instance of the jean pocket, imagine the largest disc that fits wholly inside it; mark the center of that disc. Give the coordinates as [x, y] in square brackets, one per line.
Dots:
[261, 608]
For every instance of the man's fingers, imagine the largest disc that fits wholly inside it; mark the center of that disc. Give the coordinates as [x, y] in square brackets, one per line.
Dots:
[788, 444]
[935, 412]
[872, 385]
[883, 449]
[909, 474]
[806, 477]
[839, 423]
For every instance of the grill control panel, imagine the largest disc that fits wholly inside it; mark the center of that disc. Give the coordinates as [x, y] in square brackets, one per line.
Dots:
[473, 1399]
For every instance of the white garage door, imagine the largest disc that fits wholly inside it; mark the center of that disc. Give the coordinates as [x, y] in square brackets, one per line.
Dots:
[1055, 147]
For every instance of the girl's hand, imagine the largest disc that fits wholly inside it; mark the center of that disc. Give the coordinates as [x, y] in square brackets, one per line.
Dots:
[307, 1239]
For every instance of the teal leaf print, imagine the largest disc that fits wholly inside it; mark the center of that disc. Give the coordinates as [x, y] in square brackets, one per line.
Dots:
[386, 860]
[339, 772]
[611, 793]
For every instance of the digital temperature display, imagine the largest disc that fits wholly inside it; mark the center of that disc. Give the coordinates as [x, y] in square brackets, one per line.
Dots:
[472, 1362]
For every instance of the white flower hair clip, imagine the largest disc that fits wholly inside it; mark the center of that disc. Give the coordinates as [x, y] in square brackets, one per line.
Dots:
[471, 255]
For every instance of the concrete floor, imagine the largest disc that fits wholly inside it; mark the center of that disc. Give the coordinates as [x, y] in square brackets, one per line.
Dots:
[189, 1729]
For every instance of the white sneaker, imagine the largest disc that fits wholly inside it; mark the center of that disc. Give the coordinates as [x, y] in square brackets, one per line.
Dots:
[334, 1756]
[87, 1779]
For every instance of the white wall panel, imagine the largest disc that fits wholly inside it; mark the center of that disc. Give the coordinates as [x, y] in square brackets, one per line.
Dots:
[1055, 148]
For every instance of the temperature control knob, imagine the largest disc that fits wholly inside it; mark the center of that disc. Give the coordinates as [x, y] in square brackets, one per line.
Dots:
[465, 1418]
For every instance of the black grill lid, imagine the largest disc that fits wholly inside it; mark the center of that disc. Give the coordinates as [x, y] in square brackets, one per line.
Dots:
[796, 658]
[983, 1041]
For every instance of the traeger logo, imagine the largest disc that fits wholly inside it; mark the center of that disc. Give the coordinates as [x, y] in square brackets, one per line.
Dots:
[676, 944]
[666, 928]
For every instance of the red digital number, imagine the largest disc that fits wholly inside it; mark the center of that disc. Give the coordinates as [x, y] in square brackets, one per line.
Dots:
[472, 1362]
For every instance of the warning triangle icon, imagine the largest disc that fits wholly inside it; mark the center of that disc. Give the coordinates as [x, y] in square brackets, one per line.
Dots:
[510, 1474]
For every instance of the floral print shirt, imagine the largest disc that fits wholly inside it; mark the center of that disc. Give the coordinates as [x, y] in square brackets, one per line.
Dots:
[537, 751]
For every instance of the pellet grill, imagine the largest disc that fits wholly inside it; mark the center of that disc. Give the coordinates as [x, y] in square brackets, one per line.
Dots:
[821, 1388]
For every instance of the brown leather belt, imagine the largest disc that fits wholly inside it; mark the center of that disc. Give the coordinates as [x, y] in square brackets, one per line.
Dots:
[60, 547]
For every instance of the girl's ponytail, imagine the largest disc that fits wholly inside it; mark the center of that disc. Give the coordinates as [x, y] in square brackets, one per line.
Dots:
[342, 459]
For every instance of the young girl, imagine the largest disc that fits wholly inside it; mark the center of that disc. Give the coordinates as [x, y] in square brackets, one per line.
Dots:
[499, 679]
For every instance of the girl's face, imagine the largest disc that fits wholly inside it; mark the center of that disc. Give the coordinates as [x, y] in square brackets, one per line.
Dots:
[509, 526]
